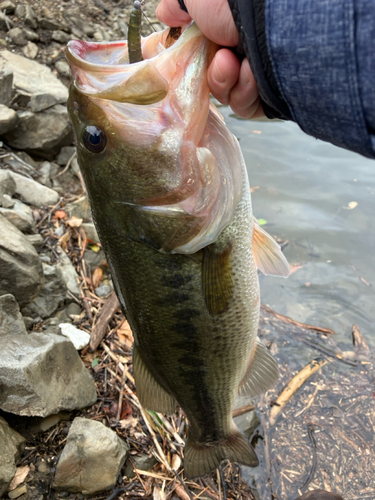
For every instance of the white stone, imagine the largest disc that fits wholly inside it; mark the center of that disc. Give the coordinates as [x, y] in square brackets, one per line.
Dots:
[79, 338]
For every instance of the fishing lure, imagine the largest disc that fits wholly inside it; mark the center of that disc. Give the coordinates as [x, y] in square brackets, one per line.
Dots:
[134, 34]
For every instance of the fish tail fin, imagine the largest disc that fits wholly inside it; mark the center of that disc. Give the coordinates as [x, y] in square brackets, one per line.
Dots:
[201, 459]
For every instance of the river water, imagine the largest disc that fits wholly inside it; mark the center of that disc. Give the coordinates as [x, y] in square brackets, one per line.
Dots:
[322, 200]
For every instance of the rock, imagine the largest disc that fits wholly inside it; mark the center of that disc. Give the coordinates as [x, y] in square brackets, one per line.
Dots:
[61, 36]
[20, 216]
[8, 202]
[48, 24]
[91, 460]
[16, 493]
[83, 26]
[248, 423]
[21, 272]
[8, 119]
[79, 338]
[45, 174]
[33, 192]
[11, 321]
[6, 86]
[75, 167]
[7, 6]
[26, 13]
[144, 462]
[65, 155]
[42, 134]
[30, 50]
[7, 184]
[69, 273]
[35, 239]
[35, 81]
[64, 315]
[103, 291]
[5, 22]
[79, 208]
[39, 424]
[320, 495]
[93, 259]
[17, 35]
[90, 231]
[63, 67]
[42, 374]
[11, 448]
[31, 35]
[51, 296]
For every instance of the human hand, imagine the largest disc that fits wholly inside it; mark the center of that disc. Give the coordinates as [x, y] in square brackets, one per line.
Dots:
[230, 81]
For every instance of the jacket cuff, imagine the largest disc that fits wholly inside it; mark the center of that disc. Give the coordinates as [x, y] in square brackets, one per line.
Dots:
[249, 17]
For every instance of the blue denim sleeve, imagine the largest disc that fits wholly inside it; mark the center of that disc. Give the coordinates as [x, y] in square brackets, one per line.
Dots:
[314, 62]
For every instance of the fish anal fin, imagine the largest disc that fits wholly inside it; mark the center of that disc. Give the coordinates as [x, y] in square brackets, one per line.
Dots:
[150, 393]
[217, 278]
[267, 254]
[201, 459]
[262, 372]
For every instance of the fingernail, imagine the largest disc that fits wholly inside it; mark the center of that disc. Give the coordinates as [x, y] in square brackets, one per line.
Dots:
[217, 74]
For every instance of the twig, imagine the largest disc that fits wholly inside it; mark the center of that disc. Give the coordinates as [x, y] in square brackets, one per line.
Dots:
[67, 165]
[242, 410]
[49, 212]
[109, 309]
[123, 380]
[286, 319]
[223, 483]
[310, 477]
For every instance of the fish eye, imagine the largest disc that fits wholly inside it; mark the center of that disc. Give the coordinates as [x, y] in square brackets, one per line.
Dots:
[94, 139]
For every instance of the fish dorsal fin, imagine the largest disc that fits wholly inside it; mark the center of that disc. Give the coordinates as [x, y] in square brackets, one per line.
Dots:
[145, 86]
[267, 254]
[149, 392]
[261, 374]
[217, 278]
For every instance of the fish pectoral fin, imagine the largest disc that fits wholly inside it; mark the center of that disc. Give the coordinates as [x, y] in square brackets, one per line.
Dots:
[267, 254]
[201, 459]
[262, 373]
[149, 392]
[217, 278]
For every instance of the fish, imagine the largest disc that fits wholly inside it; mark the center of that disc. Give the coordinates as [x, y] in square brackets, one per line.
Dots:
[170, 198]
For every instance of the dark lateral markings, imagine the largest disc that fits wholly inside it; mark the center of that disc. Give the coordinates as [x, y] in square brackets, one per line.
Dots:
[175, 281]
[186, 314]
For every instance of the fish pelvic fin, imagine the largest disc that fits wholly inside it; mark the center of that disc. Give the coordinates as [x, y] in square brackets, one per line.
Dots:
[268, 255]
[201, 459]
[150, 393]
[262, 372]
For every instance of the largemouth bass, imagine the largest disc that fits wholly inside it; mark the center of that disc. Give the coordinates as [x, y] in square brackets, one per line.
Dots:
[170, 198]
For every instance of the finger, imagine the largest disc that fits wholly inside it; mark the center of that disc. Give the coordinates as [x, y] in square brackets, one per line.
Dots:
[244, 97]
[170, 13]
[223, 73]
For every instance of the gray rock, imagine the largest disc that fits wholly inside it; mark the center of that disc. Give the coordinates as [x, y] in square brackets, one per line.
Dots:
[45, 174]
[65, 154]
[93, 259]
[90, 230]
[8, 6]
[35, 81]
[11, 448]
[8, 202]
[7, 184]
[21, 272]
[33, 192]
[51, 296]
[83, 26]
[79, 208]
[65, 315]
[69, 274]
[63, 67]
[17, 35]
[75, 167]
[103, 291]
[42, 374]
[6, 86]
[39, 424]
[8, 119]
[35, 239]
[30, 50]
[5, 22]
[144, 462]
[42, 134]
[31, 35]
[26, 13]
[91, 460]
[11, 322]
[20, 216]
[61, 36]
[48, 24]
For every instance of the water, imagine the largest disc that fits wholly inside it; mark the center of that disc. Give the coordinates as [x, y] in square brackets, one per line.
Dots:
[306, 191]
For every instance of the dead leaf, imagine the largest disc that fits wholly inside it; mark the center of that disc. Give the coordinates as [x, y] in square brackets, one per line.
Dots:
[19, 477]
[176, 462]
[158, 494]
[181, 493]
[97, 277]
[126, 411]
[125, 335]
[63, 240]
[74, 221]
